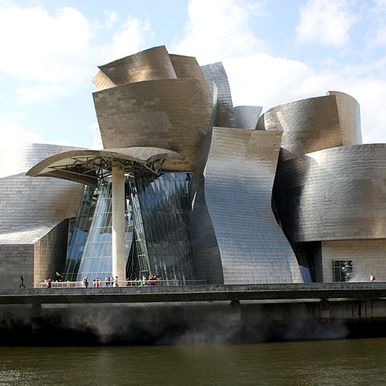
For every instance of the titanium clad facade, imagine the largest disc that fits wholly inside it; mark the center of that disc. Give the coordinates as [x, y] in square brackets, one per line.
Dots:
[225, 115]
[247, 116]
[205, 250]
[172, 114]
[314, 124]
[334, 194]
[187, 67]
[198, 199]
[33, 217]
[150, 64]
[18, 159]
[349, 118]
[50, 253]
[26, 202]
[238, 184]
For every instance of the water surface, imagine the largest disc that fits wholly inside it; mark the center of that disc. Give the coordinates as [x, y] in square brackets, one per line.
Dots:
[349, 362]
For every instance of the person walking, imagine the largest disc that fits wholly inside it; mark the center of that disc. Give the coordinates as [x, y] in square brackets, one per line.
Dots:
[21, 285]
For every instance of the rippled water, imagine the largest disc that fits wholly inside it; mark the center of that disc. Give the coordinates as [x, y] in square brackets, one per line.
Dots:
[348, 362]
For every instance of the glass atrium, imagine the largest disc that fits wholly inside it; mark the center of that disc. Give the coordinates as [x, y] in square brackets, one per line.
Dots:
[157, 229]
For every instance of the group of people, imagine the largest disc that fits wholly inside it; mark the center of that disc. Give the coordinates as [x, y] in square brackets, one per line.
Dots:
[96, 283]
[151, 279]
[145, 281]
[48, 281]
[114, 282]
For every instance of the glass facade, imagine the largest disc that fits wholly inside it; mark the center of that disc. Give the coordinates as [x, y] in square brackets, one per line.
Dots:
[96, 259]
[342, 270]
[162, 226]
[79, 229]
[157, 229]
[139, 257]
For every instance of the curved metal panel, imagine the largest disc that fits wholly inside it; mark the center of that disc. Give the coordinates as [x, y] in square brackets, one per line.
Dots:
[102, 81]
[349, 118]
[172, 114]
[150, 64]
[18, 159]
[205, 251]
[186, 67]
[238, 183]
[28, 203]
[334, 194]
[225, 114]
[247, 116]
[315, 123]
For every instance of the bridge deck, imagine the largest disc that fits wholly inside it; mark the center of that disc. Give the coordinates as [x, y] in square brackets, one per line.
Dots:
[194, 293]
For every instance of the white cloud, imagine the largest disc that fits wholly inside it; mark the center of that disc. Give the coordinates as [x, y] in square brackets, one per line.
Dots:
[42, 92]
[263, 78]
[379, 37]
[36, 45]
[12, 131]
[12, 135]
[111, 18]
[54, 54]
[129, 39]
[376, 35]
[97, 139]
[219, 29]
[325, 21]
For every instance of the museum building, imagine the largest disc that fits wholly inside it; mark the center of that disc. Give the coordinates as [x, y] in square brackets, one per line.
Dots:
[196, 190]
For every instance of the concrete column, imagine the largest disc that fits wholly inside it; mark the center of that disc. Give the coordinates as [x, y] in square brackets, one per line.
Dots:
[118, 222]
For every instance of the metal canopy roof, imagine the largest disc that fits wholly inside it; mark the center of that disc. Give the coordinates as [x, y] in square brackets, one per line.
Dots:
[87, 166]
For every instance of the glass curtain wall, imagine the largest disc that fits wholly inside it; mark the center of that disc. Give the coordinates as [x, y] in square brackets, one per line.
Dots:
[96, 260]
[157, 229]
[162, 228]
[139, 257]
[79, 229]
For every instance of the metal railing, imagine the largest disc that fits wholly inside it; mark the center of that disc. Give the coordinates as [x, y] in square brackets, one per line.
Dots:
[121, 283]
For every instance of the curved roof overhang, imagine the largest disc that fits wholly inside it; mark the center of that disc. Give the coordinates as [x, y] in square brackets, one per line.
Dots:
[87, 166]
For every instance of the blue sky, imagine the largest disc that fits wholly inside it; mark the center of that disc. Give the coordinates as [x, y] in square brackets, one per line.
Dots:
[274, 51]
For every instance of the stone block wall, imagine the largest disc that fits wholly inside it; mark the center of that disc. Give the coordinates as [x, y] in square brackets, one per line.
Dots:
[368, 257]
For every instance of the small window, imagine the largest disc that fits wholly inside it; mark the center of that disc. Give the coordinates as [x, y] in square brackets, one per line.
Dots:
[342, 270]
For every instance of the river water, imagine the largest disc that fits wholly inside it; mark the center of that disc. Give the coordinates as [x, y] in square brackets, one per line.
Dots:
[343, 362]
